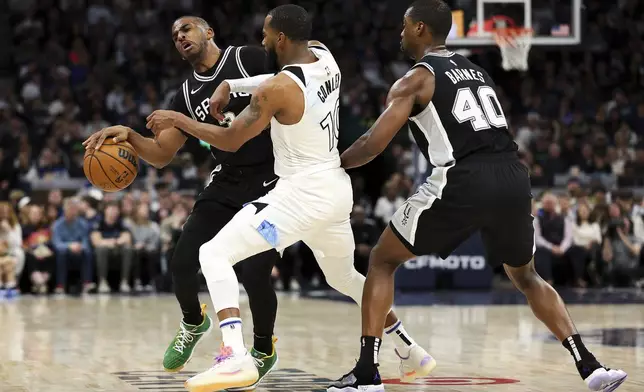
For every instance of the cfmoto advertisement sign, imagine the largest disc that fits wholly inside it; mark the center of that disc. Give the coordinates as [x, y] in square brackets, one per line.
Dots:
[465, 268]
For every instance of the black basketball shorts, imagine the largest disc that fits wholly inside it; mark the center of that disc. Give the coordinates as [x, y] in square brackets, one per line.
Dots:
[490, 193]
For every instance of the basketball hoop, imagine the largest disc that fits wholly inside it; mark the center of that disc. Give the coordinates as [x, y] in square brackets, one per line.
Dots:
[515, 45]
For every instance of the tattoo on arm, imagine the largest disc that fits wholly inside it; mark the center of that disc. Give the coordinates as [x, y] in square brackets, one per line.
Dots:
[254, 111]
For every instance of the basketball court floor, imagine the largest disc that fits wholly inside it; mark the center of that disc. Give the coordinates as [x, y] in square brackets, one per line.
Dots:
[116, 343]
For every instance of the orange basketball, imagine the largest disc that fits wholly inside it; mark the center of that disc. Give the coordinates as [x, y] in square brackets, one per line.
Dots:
[112, 167]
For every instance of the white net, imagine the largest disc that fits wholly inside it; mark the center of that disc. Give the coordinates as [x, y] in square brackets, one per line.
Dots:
[515, 45]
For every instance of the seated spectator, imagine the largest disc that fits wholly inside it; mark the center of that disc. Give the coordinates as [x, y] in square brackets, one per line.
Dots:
[55, 201]
[89, 211]
[388, 203]
[147, 240]
[112, 240]
[12, 256]
[70, 236]
[40, 258]
[586, 238]
[365, 234]
[553, 235]
[565, 209]
[621, 251]
[127, 209]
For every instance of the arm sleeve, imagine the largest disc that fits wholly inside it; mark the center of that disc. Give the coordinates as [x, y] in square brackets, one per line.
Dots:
[247, 85]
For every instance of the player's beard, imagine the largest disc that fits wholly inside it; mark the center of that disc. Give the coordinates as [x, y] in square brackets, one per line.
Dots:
[405, 50]
[272, 64]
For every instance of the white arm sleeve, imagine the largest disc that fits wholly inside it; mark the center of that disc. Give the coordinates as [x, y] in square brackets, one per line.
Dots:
[247, 85]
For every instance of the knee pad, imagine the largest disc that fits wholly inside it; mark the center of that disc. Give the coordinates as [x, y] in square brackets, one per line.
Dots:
[343, 277]
[215, 263]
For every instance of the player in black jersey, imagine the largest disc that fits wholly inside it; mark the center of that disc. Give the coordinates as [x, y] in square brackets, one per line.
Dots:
[239, 178]
[476, 183]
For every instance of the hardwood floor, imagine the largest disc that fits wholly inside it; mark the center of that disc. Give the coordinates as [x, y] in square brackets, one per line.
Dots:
[116, 344]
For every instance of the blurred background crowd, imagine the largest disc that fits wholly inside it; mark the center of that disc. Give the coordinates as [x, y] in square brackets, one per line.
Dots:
[71, 67]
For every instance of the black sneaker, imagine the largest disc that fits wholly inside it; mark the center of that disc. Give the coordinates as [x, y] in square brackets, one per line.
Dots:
[350, 383]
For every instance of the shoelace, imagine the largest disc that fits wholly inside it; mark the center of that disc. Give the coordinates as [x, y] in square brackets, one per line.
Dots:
[258, 362]
[183, 336]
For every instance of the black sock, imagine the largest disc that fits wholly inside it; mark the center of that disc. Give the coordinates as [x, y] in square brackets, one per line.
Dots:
[367, 367]
[193, 317]
[263, 344]
[584, 360]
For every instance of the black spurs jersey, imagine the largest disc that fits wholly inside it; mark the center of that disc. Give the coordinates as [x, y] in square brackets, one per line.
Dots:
[193, 100]
[464, 117]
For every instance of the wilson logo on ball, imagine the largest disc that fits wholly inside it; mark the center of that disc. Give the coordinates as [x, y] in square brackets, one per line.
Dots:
[125, 154]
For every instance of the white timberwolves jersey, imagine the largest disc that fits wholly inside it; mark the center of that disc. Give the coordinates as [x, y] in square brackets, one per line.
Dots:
[310, 145]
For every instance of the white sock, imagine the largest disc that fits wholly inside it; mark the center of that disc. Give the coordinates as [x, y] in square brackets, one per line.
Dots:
[401, 338]
[231, 332]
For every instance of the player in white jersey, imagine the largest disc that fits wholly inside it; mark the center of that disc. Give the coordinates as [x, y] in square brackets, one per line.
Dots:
[311, 201]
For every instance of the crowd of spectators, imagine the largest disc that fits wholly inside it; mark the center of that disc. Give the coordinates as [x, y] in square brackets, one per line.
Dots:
[78, 66]
[590, 239]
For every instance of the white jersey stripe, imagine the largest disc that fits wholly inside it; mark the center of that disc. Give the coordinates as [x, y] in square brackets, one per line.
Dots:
[240, 65]
[429, 67]
[186, 97]
[222, 61]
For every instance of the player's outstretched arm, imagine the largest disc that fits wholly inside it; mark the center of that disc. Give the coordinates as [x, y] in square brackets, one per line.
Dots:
[417, 86]
[157, 151]
[250, 122]
[221, 97]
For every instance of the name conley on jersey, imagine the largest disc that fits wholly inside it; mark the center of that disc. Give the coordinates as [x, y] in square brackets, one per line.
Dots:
[328, 87]
[460, 75]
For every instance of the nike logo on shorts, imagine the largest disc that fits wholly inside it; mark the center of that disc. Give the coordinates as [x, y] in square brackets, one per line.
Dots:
[267, 183]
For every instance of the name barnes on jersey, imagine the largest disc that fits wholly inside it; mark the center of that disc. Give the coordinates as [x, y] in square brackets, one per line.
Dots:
[459, 75]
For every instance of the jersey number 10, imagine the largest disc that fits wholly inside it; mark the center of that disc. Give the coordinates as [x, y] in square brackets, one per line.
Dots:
[331, 124]
[482, 116]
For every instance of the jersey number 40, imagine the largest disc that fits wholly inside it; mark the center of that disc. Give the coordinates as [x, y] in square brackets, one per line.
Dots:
[483, 113]
[331, 124]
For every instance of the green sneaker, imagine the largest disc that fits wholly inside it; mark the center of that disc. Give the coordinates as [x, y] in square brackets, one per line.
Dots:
[183, 345]
[264, 363]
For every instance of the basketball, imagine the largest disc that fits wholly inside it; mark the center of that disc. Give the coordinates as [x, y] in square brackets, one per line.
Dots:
[112, 167]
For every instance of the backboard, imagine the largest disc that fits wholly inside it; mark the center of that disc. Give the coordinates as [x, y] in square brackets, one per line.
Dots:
[554, 22]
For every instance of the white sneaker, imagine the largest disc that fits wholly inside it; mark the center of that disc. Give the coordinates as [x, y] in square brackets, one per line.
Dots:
[138, 287]
[103, 287]
[229, 371]
[417, 363]
[125, 288]
[605, 380]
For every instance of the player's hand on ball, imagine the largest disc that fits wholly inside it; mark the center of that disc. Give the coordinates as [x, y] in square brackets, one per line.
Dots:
[219, 100]
[162, 119]
[119, 133]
